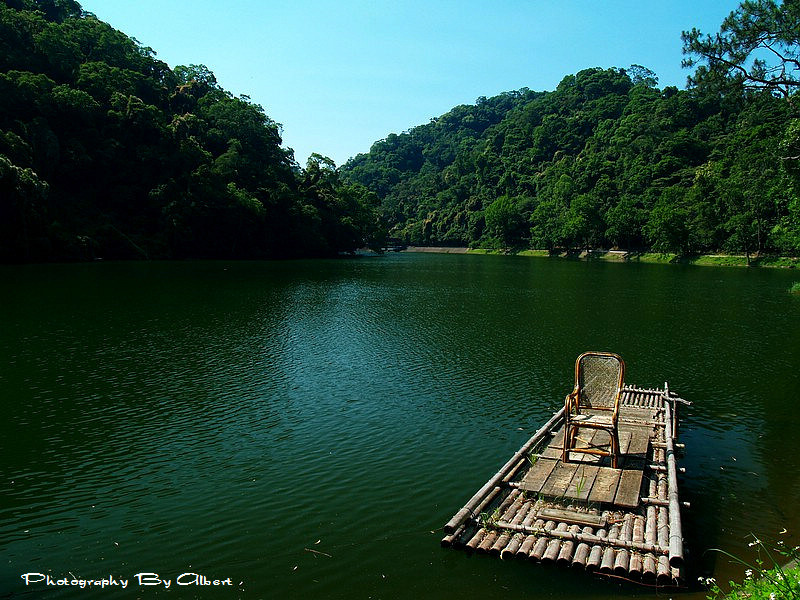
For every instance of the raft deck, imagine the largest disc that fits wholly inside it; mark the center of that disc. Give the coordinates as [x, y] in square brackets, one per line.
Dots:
[624, 521]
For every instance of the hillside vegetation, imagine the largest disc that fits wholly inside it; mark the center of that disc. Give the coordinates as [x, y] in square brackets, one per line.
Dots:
[605, 160]
[107, 152]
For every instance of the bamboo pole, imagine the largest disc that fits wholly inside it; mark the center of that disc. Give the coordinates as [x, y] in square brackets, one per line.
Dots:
[582, 551]
[508, 510]
[510, 551]
[594, 539]
[650, 529]
[675, 532]
[565, 555]
[664, 572]
[487, 542]
[649, 566]
[607, 562]
[541, 542]
[476, 539]
[622, 560]
[596, 552]
[529, 541]
[469, 508]
[554, 545]
[635, 564]
[505, 537]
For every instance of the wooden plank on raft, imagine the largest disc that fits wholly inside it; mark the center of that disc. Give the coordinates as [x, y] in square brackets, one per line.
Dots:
[571, 516]
[534, 479]
[582, 482]
[630, 484]
[605, 485]
[624, 442]
[559, 479]
[555, 446]
[636, 454]
[640, 441]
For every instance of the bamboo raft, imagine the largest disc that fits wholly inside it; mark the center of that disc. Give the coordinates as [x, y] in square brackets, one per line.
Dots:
[624, 522]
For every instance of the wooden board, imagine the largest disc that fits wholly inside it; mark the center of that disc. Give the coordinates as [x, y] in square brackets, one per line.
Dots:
[640, 441]
[630, 484]
[624, 441]
[559, 480]
[571, 516]
[605, 485]
[582, 482]
[554, 448]
[537, 475]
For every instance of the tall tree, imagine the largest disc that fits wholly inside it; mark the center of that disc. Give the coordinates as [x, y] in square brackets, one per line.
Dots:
[758, 45]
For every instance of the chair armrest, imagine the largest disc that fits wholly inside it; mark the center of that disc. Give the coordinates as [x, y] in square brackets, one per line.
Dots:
[571, 403]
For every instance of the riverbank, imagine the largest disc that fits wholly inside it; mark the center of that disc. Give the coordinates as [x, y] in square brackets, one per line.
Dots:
[713, 260]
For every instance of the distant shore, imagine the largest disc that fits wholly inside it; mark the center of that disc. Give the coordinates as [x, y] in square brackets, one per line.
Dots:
[713, 260]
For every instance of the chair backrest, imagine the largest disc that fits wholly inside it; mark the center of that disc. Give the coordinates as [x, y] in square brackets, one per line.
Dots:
[598, 376]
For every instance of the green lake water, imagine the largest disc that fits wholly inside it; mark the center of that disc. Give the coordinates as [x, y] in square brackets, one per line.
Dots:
[306, 428]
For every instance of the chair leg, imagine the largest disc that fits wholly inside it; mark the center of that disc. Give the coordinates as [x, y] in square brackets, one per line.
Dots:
[569, 433]
[614, 450]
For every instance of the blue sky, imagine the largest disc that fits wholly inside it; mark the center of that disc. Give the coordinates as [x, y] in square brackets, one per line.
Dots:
[339, 75]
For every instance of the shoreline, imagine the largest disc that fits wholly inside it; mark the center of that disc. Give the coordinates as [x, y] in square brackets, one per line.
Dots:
[708, 260]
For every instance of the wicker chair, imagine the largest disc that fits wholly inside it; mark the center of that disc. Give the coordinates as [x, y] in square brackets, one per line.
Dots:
[594, 403]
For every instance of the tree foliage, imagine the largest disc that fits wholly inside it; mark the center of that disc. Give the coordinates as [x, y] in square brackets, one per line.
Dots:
[605, 160]
[107, 152]
[757, 46]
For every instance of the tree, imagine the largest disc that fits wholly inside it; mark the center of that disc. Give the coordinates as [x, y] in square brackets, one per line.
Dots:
[505, 222]
[758, 46]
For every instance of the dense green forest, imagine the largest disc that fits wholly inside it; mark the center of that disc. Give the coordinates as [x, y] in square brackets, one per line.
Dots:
[608, 159]
[107, 152]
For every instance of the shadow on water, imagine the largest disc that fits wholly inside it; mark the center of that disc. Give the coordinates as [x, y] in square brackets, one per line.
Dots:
[307, 427]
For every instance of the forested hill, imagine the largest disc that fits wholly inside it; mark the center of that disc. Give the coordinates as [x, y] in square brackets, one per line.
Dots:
[605, 160]
[107, 152]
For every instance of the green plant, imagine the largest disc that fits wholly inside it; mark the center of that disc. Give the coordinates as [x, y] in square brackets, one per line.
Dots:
[488, 521]
[765, 577]
[581, 482]
[795, 289]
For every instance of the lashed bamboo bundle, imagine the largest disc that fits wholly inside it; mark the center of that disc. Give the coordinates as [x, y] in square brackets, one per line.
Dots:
[582, 551]
[542, 540]
[565, 554]
[504, 539]
[507, 509]
[596, 553]
[596, 539]
[529, 541]
[517, 539]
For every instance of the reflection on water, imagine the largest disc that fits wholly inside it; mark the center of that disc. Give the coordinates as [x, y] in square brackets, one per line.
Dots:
[306, 427]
